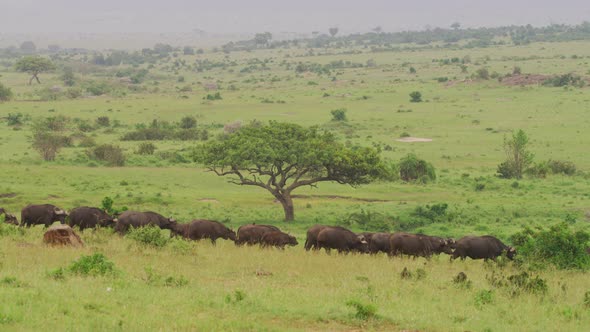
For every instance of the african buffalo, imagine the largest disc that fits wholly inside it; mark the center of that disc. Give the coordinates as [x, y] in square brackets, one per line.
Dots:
[278, 239]
[8, 217]
[252, 234]
[90, 217]
[418, 245]
[312, 237]
[204, 229]
[136, 219]
[481, 247]
[341, 239]
[44, 214]
[378, 242]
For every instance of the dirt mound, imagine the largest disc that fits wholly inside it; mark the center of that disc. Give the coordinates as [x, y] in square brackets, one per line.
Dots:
[62, 235]
[413, 139]
[524, 79]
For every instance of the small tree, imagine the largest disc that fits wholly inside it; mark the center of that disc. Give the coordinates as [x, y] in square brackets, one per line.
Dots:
[68, 76]
[411, 169]
[281, 157]
[5, 93]
[339, 114]
[518, 158]
[333, 31]
[456, 26]
[416, 97]
[28, 47]
[46, 138]
[188, 122]
[34, 65]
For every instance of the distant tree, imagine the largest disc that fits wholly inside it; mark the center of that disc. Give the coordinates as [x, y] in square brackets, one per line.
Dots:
[518, 157]
[415, 97]
[281, 157]
[5, 93]
[187, 50]
[53, 48]
[516, 70]
[482, 74]
[28, 47]
[333, 31]
[377, 29]
[263, 38]
[68, 76]
[162, 48]
[456, 25]
[339, 114]
[315, 33]
[34, 65]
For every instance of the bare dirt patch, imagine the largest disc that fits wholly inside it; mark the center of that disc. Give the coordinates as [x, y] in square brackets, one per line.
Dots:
[413, 139]
[524, 79]
[8, 195]
[208, 200]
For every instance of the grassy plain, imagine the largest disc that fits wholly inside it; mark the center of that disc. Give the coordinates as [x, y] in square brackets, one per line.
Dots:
[467, 120]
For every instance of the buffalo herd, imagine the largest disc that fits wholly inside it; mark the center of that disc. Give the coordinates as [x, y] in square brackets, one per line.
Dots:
[318, 236]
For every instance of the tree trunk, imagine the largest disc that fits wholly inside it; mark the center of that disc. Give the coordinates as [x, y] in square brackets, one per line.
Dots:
[287, 203]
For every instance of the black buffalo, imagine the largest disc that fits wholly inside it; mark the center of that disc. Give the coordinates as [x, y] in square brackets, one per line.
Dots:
[418, 245]
[204, 229]
[252, 234]
[8, 217]
[137, 219]
[278, 239]
[44, 214]
[311, 241]
[341, 239]
[90, 217]
[481, 247]
[378, 242]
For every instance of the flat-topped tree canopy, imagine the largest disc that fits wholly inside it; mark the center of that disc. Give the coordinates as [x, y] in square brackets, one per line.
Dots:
[281, 157]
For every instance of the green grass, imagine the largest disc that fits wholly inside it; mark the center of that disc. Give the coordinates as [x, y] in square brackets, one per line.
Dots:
[197, 286]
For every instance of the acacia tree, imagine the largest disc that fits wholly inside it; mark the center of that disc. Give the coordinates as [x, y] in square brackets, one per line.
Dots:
[333, 31]
[281, 157]
[34, 65]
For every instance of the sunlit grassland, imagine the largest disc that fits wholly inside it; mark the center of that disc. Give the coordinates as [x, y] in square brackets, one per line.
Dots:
[231, 288]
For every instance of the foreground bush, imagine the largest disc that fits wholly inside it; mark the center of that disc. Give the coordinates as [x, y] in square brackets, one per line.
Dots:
[93, 265]
[150, 235]
[559, 246]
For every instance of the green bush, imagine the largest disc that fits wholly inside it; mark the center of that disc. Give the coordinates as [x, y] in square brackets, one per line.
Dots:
[413, 169]
[415, 97]
[148, 134]
[339, 114]
[5, 93]
[565, 80]
[215, 96]
[150, 235]
[112, 155]
[146, 148]
[15, 119]
[559, 246]
[363, 311]
[561, 167]
[103, 121]
[107, 205]
[93, 265]
[188, 122]
[87, 142]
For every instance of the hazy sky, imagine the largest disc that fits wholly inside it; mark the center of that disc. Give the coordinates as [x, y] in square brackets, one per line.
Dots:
[33, 16]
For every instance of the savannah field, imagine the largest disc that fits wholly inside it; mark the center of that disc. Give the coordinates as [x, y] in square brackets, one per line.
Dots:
[180, 285]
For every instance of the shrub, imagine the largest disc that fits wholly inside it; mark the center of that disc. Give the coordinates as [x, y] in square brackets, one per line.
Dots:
[564, 80]
[411, 169]
[98, 88]
[482, 74]
[148, 134]
[103, 121]
[93, 265]
[188, 122]
[363, 311]
[461, 281]
[215, 96]
[368, 220]
[562, 167]
[518, 157]
[5, 93]
[415, 97]
[559, 246]
[111, 154]
[146, 148]
[107, 205]
[150, 236]
[48, 144]
[15, 119]
[232, 127]
[155, 279]
[483, 297]
[433, 213]
[339, 114]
